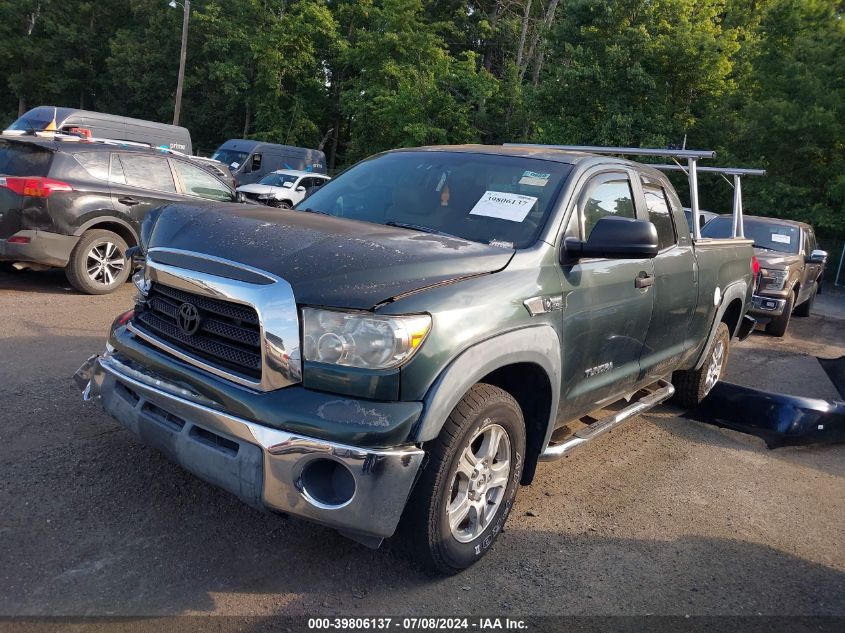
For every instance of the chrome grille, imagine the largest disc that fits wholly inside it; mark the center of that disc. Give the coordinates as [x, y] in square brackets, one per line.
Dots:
[228, 336]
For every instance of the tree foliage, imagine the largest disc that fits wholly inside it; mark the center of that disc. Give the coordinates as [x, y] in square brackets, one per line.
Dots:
[760, 81]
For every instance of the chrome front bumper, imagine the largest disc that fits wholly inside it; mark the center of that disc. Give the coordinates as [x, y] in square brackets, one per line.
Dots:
[263, 466]
[768, 306]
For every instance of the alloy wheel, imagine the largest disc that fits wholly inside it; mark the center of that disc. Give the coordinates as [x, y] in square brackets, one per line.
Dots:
[714, 371]
[479, 483]
[104, 263]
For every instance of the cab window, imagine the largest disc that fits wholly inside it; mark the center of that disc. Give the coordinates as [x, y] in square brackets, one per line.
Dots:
[659, 214]
[255, 164]
[607, 195]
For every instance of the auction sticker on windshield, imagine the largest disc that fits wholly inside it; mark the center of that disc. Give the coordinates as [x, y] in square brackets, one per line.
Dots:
[783, 239]
[504, 206]
[533, 178]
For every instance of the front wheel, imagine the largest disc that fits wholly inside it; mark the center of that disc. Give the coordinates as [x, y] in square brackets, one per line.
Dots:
[777, 326]
[806, 308]
[467, 489]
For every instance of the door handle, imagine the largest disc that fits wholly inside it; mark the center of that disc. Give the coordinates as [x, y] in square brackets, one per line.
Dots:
[128, 201]
[644, 280]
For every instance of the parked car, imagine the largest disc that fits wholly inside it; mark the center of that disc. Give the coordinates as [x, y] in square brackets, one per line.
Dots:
[415, 340]
[791, 267]
[100, 124]
[703, 217]
[250, 160]
[78, 205]
[283, 188]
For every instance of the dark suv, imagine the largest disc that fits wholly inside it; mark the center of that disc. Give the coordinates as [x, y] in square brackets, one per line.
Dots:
[78, 205]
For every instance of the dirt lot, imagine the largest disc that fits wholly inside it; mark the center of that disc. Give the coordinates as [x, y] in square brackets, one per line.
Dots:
[664, 516]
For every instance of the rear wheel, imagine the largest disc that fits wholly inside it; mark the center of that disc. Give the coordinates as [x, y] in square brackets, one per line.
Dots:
[692, 386]
[778, 325]
[98, 263]
[467, 489]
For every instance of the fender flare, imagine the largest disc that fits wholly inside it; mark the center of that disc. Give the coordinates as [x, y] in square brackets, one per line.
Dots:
[737, 290]
[538, 344]
[103, 219]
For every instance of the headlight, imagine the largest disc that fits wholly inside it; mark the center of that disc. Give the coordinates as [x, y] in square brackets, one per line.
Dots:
[356, 339]
[266, 196]
[774, 279]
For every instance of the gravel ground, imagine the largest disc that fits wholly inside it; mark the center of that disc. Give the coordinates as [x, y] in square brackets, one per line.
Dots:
[663, 516]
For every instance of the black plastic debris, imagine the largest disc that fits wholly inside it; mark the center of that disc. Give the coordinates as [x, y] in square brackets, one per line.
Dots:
[780, 420]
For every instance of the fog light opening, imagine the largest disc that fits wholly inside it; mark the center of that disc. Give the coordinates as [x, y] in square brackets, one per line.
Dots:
[327, 483]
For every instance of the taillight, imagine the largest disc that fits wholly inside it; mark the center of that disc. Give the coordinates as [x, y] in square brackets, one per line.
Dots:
[755, 265]
[19, 239]
[34, 187]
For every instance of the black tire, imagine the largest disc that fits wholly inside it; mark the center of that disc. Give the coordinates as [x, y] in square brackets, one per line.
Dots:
[806, 308]
[778, 325]
[82, 256]
[426, 521]
[691, 386]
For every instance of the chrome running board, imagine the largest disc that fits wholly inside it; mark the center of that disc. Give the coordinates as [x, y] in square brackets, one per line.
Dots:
[664, 391]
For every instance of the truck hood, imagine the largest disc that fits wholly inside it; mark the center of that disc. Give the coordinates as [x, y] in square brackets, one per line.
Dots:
[774, 259]
[328, 261]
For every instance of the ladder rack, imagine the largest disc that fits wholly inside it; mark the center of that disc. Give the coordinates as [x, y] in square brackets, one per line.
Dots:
[691, 156]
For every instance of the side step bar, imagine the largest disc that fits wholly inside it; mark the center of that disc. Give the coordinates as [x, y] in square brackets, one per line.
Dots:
[664, 391]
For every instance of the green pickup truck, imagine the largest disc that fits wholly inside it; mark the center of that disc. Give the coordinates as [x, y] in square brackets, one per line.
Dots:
[404, 347]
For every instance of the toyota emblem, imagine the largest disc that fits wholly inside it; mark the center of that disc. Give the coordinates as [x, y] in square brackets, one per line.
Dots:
[188, 319]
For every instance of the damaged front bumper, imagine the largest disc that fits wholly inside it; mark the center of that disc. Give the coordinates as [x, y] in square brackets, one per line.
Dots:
[359, 491]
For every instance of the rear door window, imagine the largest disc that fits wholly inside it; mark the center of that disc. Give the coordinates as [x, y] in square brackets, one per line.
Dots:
[659, 214]
[148, 172]
[24, 159]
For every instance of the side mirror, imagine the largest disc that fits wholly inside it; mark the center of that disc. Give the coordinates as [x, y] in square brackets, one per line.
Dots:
[817, 257]
[614, 238]
[299, 189]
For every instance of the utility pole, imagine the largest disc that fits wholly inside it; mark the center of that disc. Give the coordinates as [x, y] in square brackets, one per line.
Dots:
[182, 56]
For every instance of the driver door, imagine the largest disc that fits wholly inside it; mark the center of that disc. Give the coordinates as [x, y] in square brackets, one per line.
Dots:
[606, 315]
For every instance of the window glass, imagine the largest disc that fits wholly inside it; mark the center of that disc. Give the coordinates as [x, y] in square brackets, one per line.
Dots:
[766, 234]
[200, 183]
[611, 197]
[23, 159]
[95, 163]
[494, 199]
[148, 172]
[659, 215]
[116, 174]
[256, 162]
[275, 179]
[230, 157]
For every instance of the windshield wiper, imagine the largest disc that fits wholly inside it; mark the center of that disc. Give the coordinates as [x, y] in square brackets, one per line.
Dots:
[765, 248]
[418, 227]
[310, 210]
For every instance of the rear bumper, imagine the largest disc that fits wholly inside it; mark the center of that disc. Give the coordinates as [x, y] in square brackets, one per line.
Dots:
[43, 247]
[264, 467]
[767, 306]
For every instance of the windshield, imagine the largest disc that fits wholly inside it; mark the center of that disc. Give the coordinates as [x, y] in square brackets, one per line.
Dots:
[230, 157]
[493, 199]
[35, 120]
[278, 180]
[23, 159]
[769, 235]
